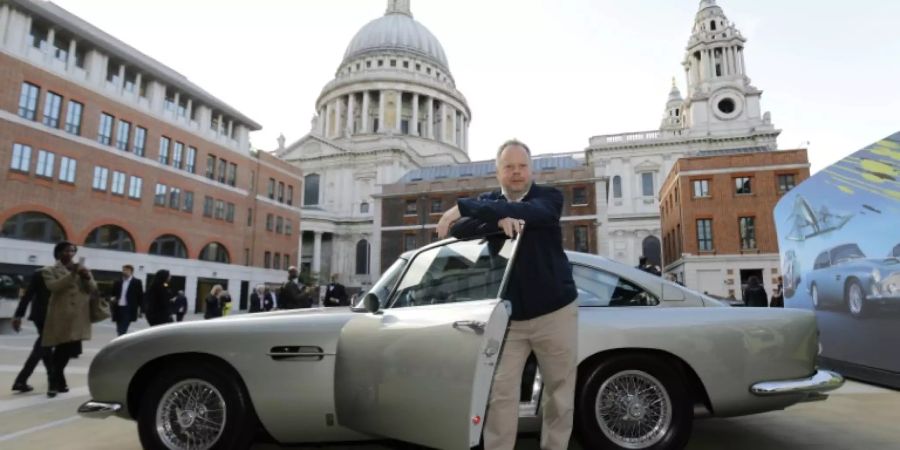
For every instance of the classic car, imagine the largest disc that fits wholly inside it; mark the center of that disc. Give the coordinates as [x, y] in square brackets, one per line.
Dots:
[843, 276]
[415, 363]
[791, 271]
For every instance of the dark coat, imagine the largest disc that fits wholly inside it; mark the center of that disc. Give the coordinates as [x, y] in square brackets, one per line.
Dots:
[778, 297]
[336, 295]
[213, 307]
[132, 299]
[180, 304]
[258, 304]
[541, 280]
[292, 296]
[37, 295]
[756, 296]
[158, 304]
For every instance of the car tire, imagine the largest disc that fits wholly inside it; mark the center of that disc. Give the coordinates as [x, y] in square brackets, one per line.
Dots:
[814, 296]
[855, 299]
[218, 415]
[605, 397]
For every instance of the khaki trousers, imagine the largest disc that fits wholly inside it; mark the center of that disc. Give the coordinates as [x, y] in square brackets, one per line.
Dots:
[553, 338]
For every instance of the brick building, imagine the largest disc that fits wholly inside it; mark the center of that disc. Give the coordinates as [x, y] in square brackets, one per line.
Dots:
[716, 213]
[407, 212]
[110, 149]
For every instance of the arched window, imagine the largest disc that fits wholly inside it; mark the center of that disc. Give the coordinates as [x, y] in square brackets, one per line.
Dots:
[651, 248]
[712, 25]
[168, 245]
[33, 226]
[364, 208]
[110, 237]
[617, 187]
[362, 257]
[311, 190]
[215, 252]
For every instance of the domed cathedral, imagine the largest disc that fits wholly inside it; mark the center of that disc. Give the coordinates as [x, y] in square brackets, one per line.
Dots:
[720, 114]
[392, 107]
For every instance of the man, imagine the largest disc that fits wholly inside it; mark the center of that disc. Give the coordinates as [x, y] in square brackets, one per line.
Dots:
[647, 267]
[256, 299]
[181, 305]
[544, 315]
[128, 293]
[37, 296]
[292, 295]
[335, 293]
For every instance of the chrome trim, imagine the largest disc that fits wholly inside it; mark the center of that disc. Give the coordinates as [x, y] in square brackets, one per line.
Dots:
[821, 381]
[98, 410]
[530, 408]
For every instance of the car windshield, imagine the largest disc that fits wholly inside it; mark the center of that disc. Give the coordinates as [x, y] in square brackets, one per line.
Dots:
[456, 272]
[846, 252]
[388, 279]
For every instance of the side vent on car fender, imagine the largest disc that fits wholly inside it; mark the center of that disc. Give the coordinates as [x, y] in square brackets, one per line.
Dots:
[296, 353]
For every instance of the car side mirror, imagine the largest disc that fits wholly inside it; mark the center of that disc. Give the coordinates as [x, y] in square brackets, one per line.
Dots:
[371, 303]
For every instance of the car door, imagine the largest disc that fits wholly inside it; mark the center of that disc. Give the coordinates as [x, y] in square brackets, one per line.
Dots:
[420, 370]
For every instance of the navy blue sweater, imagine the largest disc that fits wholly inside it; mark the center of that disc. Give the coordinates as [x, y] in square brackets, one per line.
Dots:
[541, 280]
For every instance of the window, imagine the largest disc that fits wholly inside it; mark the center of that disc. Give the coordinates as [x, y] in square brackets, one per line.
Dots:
[169, 100]
[164, 150]
[122, 135]
[267, 260]
[231, 178]
[28, 101]
[112, 71]
[288, 227]
[748, 232]
[181, 109]
[175, 198]
[215, 252]
[246, 256]
[52, 107]
[280, 192]
[410, 209]
[701, 188]
[581, 239]
[73, 117]
[207, 206]
[118, 183]
[33, 226]
[135, 187]
[67, 169]
[271, 188]
[647, 184]
[598, 288]
[220, 170]
[249, 217]
[409, 242]
[287, 261]
[168, 245]
[21, 159]
[289, 197]
[130, 80]
[211, 167]
[279, 224]
[270, 222]
[220, 209]
[229, 212]
[704, 235]
[617, 187]
[191, 161]
[160, 198]
[786, 182]
[110, 237]
[177, 154]
[45, 164]
[364, 208]
[277, 262]
[822, 261]
[100, 175]
[742, 185]
[311, 190]
[140, 141]
[39, 35]
[579, 196]
[104, 132]
[188, 202]
[362, 257]
[436, 206]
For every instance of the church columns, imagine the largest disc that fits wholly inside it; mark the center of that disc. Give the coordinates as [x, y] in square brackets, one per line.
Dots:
[454, 129]
[317, 252]
[338, 113]
[364, 117]
[329, 120]
[430, 126]
[443, 129]
[743, 63]
[351, 98]
[380, 112]
[414, 121]
[398, 112]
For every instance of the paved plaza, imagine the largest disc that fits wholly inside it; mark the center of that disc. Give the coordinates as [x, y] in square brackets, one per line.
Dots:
[856, 417]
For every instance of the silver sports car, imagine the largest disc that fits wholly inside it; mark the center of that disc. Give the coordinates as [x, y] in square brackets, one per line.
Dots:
[415, 362]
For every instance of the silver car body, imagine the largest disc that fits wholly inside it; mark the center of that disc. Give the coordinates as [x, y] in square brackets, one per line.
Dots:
[337, 375]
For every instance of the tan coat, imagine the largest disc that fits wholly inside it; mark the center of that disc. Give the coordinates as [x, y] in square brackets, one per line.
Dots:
[68, 311]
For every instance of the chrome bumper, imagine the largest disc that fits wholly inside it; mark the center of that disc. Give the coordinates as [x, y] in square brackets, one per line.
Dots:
[821, 381]
[98, 410]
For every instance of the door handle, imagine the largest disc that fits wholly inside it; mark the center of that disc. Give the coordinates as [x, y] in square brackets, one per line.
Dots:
[474, 325]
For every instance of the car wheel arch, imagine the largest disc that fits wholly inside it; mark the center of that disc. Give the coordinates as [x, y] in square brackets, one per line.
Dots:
[697, 390]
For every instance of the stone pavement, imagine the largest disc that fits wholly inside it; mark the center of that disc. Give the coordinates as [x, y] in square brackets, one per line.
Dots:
[856, 417]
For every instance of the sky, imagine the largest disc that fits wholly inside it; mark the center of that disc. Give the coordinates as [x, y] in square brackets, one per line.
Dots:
[550, 73]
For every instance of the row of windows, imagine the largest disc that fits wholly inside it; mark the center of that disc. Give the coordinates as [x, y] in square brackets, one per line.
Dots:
[218, 169]
[276, 262]
[579, 198]
[747, 230]
[28, 102]
[280, 225]
[218, 209]
[285, 196]
[393, 63]
[744, 185]
[647, 185]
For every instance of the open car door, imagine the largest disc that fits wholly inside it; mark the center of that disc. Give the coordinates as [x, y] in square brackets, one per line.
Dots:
[420, 369]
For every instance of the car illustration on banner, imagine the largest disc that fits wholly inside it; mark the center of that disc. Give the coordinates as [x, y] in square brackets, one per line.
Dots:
[843, 276]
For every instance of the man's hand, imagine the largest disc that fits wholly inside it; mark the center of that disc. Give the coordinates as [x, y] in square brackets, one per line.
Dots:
[83, 272]
[511, 227]
[17, 324]
[447, 219]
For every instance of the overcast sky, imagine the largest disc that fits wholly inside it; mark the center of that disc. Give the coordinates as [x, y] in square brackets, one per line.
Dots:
[552, 73]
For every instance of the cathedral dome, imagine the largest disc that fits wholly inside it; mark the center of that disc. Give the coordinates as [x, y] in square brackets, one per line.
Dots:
[397, 31]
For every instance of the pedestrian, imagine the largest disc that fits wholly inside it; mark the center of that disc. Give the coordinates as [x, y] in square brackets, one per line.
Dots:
[127, 295]
[644, 265]
[225, 301]
[335, 293]
[544, 317]
[755, 294]
[158, 299]
[180, 305]
[37, 296]
[271, 293]
[68, 320]
[292, 294]
[213, 304]
[256, 299]
[778, 294]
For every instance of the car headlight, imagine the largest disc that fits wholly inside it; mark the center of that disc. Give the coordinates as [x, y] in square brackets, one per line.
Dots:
[876, 275]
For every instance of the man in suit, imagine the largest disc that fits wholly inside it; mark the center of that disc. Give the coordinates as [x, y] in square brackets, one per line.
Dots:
[37, 296]
[544, 316]
[335, 293]
[128, 293]
[292, 295]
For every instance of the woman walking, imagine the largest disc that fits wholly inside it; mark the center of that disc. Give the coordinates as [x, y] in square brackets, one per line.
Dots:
[213, 303]
[158, 299]
[755, 294]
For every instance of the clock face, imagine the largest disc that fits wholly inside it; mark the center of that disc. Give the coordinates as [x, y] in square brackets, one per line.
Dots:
[726, 105]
